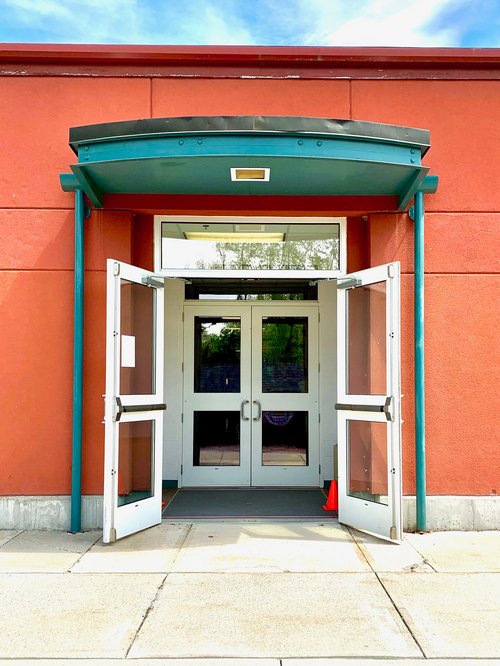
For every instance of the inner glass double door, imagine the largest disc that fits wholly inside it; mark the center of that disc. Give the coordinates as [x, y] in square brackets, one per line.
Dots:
[250, 415]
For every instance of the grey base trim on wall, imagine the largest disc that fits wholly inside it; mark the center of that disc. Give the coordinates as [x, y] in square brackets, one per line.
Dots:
[455, 512]
[52, 512]
[47, 512]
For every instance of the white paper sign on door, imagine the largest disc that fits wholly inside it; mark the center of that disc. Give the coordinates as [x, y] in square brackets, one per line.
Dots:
[128, 351]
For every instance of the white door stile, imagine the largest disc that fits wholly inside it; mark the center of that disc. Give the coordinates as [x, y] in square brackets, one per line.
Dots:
[282, 475]
[380, 515]
[217, 475]
[119, 517]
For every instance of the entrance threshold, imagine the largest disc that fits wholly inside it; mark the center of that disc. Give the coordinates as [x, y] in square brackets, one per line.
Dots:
[248, 503]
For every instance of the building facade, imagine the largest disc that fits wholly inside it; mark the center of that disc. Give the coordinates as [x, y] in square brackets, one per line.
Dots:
[140, 151]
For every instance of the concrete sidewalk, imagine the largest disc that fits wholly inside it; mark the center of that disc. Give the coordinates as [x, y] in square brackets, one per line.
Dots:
[308, 594]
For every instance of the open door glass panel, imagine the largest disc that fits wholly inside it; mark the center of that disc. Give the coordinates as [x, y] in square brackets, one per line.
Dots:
[366, 339]
[136, 462]
[367, 461]
[137, 338]
[368, 405]
[133, 401]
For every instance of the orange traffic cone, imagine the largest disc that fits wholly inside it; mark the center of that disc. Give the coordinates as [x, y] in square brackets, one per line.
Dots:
[332, 503]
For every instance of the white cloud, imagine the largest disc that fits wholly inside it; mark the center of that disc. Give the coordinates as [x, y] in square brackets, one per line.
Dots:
[132, 21]
[378, 23]
[306, 22]
[210, 23]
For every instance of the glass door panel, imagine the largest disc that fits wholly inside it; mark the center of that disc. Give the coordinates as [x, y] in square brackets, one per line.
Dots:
[285, 438]
[369, 426]
[217, 363]
[135, 461]
[367, 461]
[285, 355]
[216, 439]
[137, 338]
[285, 430]
[366, 340]
[216, 412]
[133, 402]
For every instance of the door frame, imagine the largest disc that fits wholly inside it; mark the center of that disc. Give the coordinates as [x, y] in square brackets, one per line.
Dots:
[221, 308]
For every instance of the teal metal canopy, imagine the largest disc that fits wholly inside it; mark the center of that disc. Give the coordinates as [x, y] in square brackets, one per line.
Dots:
[305, 156]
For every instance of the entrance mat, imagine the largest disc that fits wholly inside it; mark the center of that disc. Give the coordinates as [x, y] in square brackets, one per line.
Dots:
[206, 503]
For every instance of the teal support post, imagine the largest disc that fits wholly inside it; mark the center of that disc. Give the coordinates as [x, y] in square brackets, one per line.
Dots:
[419, 363]
[76, 467]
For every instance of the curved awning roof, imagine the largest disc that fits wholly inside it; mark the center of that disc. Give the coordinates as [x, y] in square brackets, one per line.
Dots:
[303, 156]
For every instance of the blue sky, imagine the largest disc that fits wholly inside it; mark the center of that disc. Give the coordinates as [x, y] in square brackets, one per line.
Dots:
[254, 22]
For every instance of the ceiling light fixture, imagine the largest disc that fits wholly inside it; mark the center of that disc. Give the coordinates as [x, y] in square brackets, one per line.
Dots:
[250, 174]
[235, 237]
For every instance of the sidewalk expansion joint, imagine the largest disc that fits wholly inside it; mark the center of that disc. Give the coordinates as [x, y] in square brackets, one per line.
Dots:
[14, 536]
[425, 560]
[70, 568]
[403, 619]
[148, 610]
[180, 544]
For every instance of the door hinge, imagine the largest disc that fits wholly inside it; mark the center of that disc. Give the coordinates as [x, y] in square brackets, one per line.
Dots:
[349, 283]
[319, 317]
[319, 469]
[319, 417]
[182, 469]
[393, 533]
[319, 367]
[182, 418]
[152, 282]
[182, 366]
[390, 270]
[183, 316]
[116, 269]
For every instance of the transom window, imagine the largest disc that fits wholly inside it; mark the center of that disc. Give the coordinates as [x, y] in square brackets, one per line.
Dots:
[225, 246]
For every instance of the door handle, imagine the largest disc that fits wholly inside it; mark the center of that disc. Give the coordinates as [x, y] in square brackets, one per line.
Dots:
[125, 409]
[386, 408]
[259, 410]
[242, 410]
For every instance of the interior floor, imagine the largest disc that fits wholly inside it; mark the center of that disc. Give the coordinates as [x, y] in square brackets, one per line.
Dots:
[266, 503]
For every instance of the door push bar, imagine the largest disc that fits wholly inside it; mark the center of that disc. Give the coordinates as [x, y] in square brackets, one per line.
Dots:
[386, 408]
[124, 409]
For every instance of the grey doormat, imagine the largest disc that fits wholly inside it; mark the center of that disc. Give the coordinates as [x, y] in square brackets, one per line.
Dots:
[283, 503]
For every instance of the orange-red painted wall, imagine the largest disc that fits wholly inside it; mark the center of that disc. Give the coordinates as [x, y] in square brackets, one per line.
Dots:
[36, 259]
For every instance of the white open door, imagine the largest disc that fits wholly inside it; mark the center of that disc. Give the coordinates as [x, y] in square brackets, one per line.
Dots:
[133, 401]
[368, 409]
